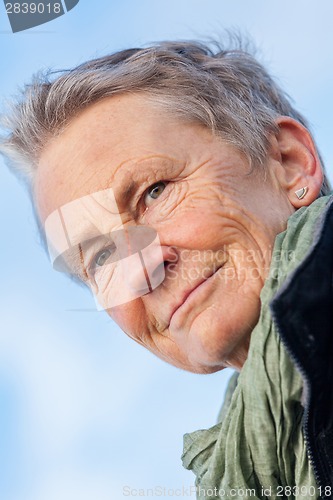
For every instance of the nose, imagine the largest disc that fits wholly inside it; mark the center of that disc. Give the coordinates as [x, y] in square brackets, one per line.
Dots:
[146, 269]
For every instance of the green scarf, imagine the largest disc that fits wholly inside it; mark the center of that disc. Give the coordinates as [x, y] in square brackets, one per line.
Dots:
[258, 451]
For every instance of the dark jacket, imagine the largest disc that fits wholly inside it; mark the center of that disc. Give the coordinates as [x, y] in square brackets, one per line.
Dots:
[303, 314]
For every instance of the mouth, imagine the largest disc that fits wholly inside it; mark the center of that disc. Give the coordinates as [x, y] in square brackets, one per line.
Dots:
[190, 292]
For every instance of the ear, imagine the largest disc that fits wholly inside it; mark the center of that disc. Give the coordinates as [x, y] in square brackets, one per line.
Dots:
[297, 162]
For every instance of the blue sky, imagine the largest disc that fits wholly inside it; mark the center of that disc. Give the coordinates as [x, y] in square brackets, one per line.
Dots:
[84, 411]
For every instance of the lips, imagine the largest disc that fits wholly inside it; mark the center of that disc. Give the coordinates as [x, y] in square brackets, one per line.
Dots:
[188, 292]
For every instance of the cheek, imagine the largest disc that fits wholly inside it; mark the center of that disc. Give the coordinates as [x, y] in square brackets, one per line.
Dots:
[128, 317]
[222, 329]
[196, 229]
[203, 230]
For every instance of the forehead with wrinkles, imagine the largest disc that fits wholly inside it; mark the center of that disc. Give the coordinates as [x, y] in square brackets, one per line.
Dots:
[105, 140]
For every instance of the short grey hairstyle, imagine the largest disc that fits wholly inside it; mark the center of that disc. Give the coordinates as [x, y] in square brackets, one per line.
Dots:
[224, 89]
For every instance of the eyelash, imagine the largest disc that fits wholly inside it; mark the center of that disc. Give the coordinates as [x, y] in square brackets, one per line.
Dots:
[150, 188]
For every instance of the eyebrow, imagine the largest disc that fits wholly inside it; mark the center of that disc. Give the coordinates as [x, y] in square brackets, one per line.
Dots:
[71, 262]
[82, 263]
[70, 258]
[126, 190]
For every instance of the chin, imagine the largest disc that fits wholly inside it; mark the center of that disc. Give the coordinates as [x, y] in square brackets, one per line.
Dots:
[212, 349]
[197, 366]
[207, 370]
[205, 363]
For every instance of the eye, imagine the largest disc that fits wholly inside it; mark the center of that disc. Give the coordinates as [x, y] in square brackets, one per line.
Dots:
[103, 256]
[154, 192]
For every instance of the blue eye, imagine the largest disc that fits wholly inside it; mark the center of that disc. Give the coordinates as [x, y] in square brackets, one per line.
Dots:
[103, 256]
[154, 191]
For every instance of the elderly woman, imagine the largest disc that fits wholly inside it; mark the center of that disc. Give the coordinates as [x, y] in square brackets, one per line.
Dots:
[182, 187]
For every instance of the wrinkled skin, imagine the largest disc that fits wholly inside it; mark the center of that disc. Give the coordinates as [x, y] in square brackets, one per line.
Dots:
[215, 218]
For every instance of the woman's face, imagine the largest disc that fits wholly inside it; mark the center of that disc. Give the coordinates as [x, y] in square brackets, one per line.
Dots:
[215, 218]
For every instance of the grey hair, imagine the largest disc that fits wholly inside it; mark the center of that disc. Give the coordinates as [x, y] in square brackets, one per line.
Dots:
[226, 90]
